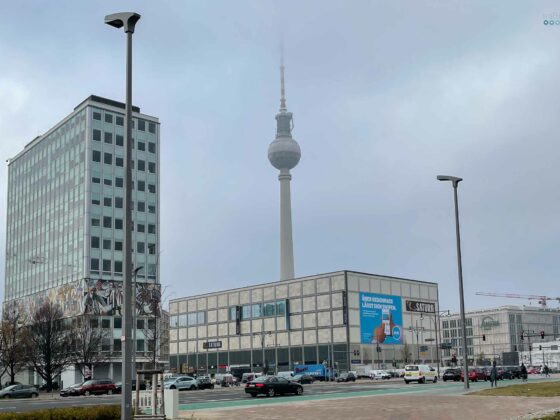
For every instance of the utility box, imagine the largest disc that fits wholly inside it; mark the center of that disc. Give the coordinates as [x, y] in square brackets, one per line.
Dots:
[171, 404]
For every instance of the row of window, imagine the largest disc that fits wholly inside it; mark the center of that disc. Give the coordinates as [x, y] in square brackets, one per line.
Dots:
[107, 222]
[116, 267]
[108, 202]
[188, 320]
[119, 120]
[117, 323]
[259, 310]
[457, 333]
[119, 141]
[119, 182]
[119, 161]
[456, 323]
[140, 246]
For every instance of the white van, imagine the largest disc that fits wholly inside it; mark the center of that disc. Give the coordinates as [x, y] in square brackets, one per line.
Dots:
[287, 374]
[420, 374]
[249, 376]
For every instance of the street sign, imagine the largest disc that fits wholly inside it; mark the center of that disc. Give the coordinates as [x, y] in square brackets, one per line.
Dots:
[355, 362]
[423, 307]
[212, 345]
[429, 340]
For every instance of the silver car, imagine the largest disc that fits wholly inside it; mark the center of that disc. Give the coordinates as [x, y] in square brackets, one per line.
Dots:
[181, 382]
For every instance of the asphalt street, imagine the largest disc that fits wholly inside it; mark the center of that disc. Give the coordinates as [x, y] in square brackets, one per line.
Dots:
[236, 396]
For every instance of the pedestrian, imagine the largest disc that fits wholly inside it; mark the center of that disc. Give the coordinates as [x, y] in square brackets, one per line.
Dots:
[546, 371]
[523, 372]
[494, 375]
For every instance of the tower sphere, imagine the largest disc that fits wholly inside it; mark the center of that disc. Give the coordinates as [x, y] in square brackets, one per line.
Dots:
[284, 153]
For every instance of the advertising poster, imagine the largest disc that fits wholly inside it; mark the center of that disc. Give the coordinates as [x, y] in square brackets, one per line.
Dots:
[380, 319]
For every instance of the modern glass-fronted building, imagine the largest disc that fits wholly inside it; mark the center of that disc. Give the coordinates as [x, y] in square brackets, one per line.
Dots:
[65, 220]
[344, 318]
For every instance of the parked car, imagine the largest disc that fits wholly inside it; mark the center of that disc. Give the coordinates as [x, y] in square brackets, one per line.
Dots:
[303, 379]
[379, 374]
[533, 370]
[512, 372]
[97, 386]
[420, 374]
[273, 385]
[54, 386]
[475, 375]
[452, 374]
[346, 377]
[181, 382]
[118, 386]
[71, 390]
[204, 383]
[19, 391]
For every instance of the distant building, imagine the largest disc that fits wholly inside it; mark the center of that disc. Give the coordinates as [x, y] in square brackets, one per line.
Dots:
[543, 354]
[339, 319]
[65, 221]
[493, 334]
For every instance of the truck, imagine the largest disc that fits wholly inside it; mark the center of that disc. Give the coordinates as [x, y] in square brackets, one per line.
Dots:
[362, 371]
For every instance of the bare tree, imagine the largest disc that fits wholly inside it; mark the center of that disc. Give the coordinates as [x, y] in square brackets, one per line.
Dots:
[405, 350]
[13, 343]
[87, 344]
[50, 342]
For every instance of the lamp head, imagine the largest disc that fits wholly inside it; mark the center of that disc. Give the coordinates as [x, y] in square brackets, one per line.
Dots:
[454, 180]
[124, 19]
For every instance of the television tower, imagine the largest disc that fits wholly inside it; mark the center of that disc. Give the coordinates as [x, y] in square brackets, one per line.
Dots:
[284, 154]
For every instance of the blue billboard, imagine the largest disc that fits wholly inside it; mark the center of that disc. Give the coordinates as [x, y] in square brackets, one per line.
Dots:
[313, 370]
[380, 319]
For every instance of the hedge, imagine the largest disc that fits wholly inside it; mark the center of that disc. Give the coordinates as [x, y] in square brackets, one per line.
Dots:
[102, 412]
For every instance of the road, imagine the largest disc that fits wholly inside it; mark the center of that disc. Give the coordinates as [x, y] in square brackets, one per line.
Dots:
[236, 396]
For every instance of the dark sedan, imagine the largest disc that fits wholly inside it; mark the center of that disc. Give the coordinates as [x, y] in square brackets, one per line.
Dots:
[303, 379]
[72, 390]
[272, 385]
[19, 391]
[346, 377]
[118, 386]
[205, 383]
[452, 375]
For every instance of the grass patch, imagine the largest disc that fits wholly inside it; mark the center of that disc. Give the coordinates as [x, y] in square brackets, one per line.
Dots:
[528, 389]
[102, 412]
[555, 416]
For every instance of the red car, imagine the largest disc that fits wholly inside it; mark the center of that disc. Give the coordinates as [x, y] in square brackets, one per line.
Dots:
[475, 375]
[533, 370]
[97, 386]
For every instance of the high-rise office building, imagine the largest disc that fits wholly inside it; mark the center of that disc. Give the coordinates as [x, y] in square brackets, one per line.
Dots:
[65, 234]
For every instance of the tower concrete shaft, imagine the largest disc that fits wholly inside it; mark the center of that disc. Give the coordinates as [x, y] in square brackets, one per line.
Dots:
[286, 242]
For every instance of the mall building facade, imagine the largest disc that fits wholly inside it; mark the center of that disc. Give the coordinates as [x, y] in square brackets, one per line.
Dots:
[343, 318]
[495, 334]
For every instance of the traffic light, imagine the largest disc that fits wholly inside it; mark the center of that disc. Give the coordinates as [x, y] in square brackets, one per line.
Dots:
[540, 347]
[542, 335]
[530, 348]
[521, 336]
[483, 337]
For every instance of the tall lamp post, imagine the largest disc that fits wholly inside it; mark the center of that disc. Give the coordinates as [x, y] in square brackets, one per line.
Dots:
[455, 182]
[127, 20]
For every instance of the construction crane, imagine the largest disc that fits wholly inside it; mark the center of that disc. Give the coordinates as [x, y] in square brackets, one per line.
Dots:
[541, 300]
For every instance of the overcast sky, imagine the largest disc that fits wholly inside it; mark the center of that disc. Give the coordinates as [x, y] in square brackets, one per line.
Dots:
[385, 96]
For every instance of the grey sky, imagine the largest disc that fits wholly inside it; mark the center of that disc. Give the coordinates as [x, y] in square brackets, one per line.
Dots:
[385, 96]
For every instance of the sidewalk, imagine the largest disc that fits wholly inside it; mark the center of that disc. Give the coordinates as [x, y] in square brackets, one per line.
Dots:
[389, 407]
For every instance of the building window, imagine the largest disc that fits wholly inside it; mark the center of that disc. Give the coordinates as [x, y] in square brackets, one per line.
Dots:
[141, 186]
[119, 120]
[117, 346]
[94, 323]
[118, 202]
[106, 244]
[151, 228]
[152, 249]
[95, 199]
[94, 264]
[141, 125]
[141, 146]
[152, 167]
[246, 312]
[152, 208]
[140, 228]
[140, 247]
[95, 242]
[118, 224]
[107, 201]
[118, 266]
[140, 345]
[105, 323]
[118, 182]
[151, 127]
[95, 180]
[141, 165]
[141, 206]
[109, 118]
[108, 158]
[151, 147]
[95, 221]
[445, 324]
[108, 138]
[108, 182]
[139, 324]
[107, 222]
[117, 322]
[96, 155]
[118, 245]
[119, 141]
[97, 115]
[106, 266]
[119, 161]
[97, 135]
[173, 321]
[152, 188]
[281, 307]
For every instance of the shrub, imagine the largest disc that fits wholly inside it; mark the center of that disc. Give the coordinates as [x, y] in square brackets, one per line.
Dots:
[102, 412]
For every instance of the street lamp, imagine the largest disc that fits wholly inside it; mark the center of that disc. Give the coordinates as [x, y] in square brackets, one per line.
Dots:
[455, 182]
[127, 20]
